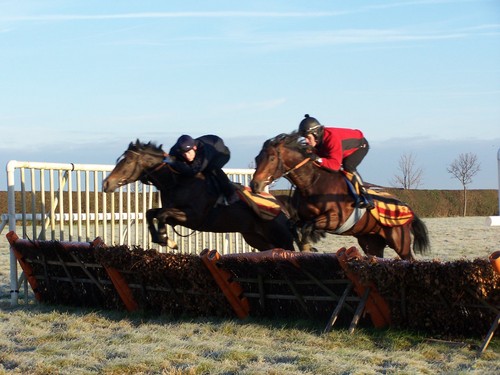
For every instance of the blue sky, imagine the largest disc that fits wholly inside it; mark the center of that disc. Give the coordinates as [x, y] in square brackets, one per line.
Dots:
[81, 79]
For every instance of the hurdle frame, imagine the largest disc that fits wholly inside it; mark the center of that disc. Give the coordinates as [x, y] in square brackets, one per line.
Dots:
[65, 202]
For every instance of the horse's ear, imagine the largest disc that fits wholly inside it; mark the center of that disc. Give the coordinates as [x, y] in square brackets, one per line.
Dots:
[277, 138]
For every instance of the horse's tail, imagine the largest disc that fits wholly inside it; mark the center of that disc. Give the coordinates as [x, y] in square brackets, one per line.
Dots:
[421, 243]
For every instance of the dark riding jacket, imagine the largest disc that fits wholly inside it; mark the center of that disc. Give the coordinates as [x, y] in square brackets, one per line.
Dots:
[211, 154]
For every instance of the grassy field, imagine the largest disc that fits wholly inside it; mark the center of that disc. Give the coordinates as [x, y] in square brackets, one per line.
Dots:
[42, 339]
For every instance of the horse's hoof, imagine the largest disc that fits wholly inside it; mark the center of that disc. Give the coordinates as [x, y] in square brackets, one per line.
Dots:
[160, 242]
[172, 244]
[307, 229]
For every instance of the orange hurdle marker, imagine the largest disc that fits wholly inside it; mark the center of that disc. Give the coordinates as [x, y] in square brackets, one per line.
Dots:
[376, 305]
[122, 289]
[231, 289]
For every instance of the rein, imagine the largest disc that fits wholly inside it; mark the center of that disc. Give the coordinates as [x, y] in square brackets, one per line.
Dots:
[302, 163]
[149, 178]
[183, 235]
[149, 173]
[296, 167]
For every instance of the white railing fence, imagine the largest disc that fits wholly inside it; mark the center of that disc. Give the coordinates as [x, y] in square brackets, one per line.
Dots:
[65, 202]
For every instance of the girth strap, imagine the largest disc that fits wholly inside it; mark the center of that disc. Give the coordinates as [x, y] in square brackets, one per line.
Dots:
[351, 221]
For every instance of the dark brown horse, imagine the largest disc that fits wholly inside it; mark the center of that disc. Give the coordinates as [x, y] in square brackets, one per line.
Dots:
[323, 201]
[188, 201]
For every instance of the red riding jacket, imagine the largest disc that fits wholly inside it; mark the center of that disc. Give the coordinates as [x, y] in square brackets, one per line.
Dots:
[337, 144]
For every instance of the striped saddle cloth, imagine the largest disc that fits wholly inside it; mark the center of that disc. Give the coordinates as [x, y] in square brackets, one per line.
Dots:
[389, 210]
[265, 205]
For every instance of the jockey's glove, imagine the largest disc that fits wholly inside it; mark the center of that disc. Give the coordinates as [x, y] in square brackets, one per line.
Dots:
[317, 161]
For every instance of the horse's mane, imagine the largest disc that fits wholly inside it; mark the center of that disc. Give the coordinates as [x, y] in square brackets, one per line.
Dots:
[292, 141]
[150, 147]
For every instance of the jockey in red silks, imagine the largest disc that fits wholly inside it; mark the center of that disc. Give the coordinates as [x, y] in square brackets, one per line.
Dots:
[338, 149]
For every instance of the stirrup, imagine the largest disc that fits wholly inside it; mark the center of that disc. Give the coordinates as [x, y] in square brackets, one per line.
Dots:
[363, 202]
[367, 205]
[221, 201]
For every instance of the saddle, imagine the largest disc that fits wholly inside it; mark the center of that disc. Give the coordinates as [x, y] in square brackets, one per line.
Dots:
[264, 205]
[388, 211]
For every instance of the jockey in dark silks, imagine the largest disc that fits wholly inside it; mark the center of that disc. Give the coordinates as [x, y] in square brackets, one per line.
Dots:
[338, 148]
[206, 154]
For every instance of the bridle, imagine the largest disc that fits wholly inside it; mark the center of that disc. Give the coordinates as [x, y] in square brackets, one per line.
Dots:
[147, 172]
[282, 167]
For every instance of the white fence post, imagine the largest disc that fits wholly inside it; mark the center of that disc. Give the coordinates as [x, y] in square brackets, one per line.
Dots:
[14, 288]
[495, 220]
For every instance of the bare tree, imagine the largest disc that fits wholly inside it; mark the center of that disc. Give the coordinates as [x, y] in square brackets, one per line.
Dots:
[463, 169]
[410, 176]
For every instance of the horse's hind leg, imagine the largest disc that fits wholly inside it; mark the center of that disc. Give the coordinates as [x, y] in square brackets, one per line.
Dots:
[281, 232]
[399, 238]
[257, 241]
[271, 234]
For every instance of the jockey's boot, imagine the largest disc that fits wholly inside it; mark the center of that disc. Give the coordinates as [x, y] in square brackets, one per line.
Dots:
[226, 187]
[364, 199]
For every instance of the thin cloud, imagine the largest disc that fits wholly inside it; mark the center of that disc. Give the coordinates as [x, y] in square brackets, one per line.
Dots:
[416, 2]
[349, 37]
[293, 40]
[428, 91]
[223, 14]
[493, 27]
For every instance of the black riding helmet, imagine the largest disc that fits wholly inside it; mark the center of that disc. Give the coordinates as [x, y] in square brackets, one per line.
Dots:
[309, 125]
[185, 143]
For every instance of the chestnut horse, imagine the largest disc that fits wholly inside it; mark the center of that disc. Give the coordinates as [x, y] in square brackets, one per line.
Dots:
[323, 203]
[190, 202]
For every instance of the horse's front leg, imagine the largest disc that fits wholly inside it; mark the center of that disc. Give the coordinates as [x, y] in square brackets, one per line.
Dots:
[159, 231]
[327, 221]
[314, 229]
